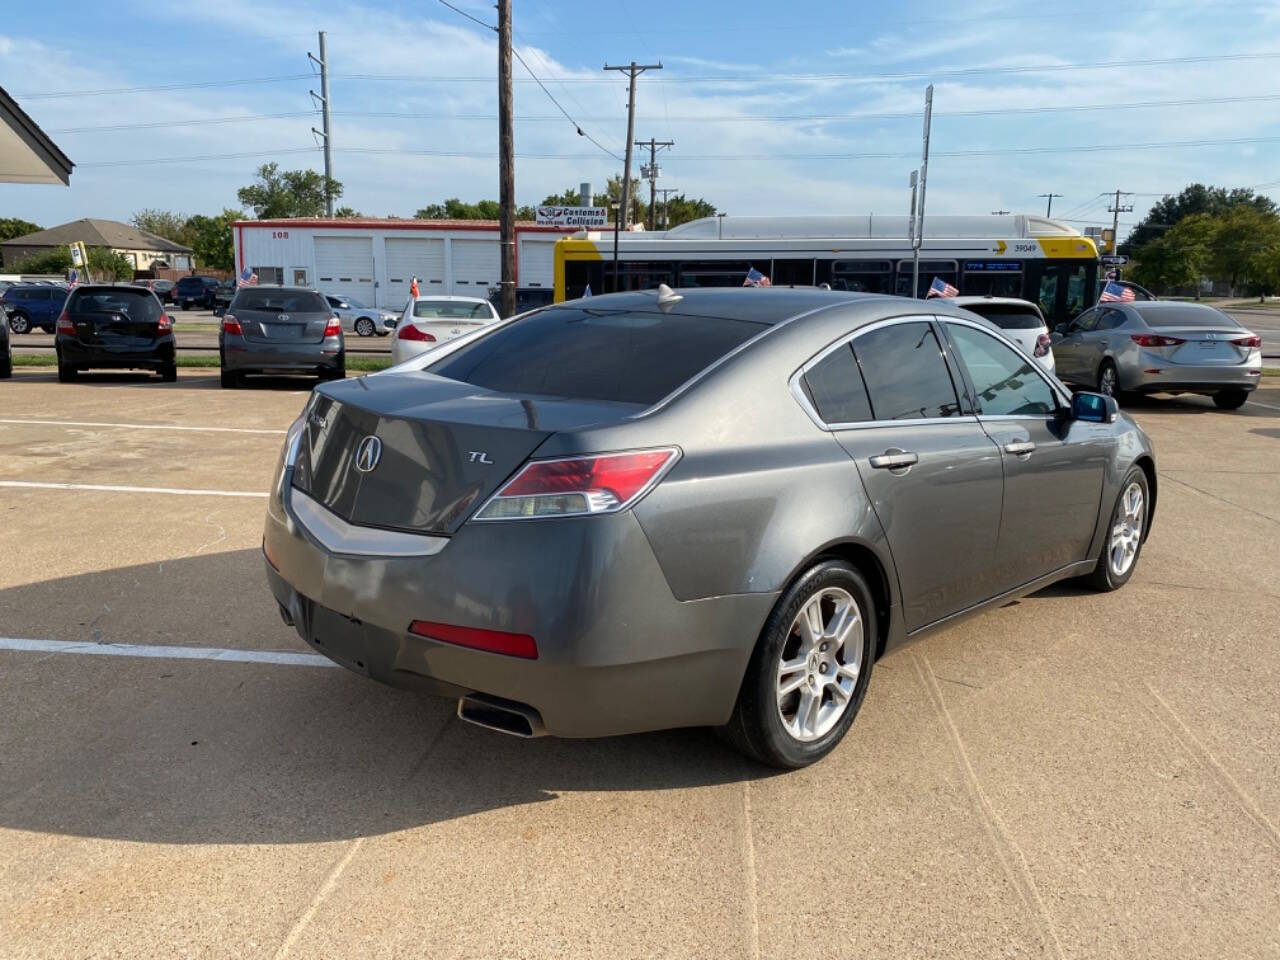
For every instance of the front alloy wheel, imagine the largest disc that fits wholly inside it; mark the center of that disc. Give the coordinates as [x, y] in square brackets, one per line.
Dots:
[364, 327]
[1108, 380]
[1125, 534]
[20, 323]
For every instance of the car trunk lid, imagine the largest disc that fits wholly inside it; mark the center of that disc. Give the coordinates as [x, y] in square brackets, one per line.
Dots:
[1201, 346]
[440, 447]
[279, 326]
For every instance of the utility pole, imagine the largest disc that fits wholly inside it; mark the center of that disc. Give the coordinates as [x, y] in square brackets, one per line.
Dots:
[1049, 209]
[1115, 210]
[666, 224]
[918, 236]
[323, 63]
[506, 162]
[633, 70]
[650, 172]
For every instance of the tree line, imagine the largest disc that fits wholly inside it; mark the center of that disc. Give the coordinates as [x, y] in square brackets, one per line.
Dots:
[1228, 236]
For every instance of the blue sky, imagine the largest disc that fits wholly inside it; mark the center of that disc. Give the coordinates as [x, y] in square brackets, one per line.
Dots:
[728, 95]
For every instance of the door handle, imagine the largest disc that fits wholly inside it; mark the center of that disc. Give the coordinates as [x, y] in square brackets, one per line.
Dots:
[894, 460]
[1102, 343]
[1020, 448]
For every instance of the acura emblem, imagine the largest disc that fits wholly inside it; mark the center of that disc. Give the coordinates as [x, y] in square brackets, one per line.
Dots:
[368, 453]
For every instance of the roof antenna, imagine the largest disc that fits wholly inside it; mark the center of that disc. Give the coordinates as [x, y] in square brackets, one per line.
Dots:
[667, 297]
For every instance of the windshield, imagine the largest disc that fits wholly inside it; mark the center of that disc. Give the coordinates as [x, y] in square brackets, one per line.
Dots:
[353, 302]
[613, 355]
[450, 310]
[1008, 316]
[280, 301]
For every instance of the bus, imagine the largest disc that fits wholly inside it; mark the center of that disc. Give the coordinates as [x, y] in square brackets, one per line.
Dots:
[1033, 258]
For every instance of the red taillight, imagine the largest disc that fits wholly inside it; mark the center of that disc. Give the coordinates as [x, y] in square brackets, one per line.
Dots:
[578, 485]
[495, 641]
[1250, 341]
[65, 325]
[409, 331]
[1043, 343]
[1154, 340]
[164, 324]
[334, 327]
[231, 324]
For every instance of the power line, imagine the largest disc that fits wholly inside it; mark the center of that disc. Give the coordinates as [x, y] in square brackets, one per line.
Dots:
[209, 156]
[195, 85]
[157, 124]
[487, 26]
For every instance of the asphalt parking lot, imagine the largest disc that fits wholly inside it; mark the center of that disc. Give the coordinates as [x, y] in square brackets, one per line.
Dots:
[1072, 775]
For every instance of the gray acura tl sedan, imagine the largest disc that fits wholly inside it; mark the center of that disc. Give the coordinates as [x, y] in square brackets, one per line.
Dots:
[711, 507]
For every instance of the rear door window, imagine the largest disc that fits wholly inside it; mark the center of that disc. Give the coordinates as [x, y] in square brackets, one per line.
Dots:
[596, 354]
[905, 373]
[834, 386]
[1004, 380]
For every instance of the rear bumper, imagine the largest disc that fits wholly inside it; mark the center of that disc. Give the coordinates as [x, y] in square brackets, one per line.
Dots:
[617, 653]
[158, 354]
[247, 356]
[1188, 378]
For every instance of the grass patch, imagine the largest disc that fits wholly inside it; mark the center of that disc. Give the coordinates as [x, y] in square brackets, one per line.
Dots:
[357, 364]
[1271, 372]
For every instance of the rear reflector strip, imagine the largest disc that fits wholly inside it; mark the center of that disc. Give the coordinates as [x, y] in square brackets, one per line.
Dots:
[494, 641]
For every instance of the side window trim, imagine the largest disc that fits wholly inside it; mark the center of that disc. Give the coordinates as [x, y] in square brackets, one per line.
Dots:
[1064, 401]
[796, 380]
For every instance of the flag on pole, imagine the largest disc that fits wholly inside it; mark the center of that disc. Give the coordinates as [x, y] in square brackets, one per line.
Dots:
[247, 278]
[940, 288]
[413, 288]
[756, 279]
[1115, 293]
[587, 292]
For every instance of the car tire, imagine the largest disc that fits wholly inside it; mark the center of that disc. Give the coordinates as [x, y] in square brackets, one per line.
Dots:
[1124, 533]
[6, 365]
[1109, 380]
[19, 322]
[1230, 399]
[364, 327]
[230, 379]
[169, 373]
[335, 373]
[789, 728]
[66, 373]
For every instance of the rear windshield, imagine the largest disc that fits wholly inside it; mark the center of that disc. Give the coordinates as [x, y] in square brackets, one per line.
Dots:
[191, 282]
[1190, 315]
[134, 304]
[1008, 316]
[612, 355]
[450, 309]
[280, 301]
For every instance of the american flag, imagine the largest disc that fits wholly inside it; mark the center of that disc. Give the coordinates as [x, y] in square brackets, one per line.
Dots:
[756, 279]
[1114, 293]
[940, 288]
[247, 279]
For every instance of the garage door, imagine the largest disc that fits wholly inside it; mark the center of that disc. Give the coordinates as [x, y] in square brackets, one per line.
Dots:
[344, 267]
[537, 263]
[409, 258]
[476, 267]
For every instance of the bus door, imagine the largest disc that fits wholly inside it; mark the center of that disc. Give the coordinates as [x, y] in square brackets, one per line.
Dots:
[1061, 289]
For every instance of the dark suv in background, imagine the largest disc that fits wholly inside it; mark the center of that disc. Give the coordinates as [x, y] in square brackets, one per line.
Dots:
[197, 291]
[114, 327]
[32, 305]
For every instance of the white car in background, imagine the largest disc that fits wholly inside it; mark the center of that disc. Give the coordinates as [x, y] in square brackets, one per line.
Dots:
[1019, 320]
[430, 321]
[362, 320]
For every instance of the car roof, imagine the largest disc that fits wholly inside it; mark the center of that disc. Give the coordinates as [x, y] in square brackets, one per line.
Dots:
[449, 296]
[996, 301]
[768, 305]
[281, 289]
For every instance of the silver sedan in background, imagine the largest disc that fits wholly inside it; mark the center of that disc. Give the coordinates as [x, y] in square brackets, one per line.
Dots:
[1160, 346]
[362, 320]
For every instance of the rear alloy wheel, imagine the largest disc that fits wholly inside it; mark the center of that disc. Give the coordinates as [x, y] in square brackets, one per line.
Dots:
[810, 669]
[1230, 399]
[20, 323]
[1108, 380]
[1124, 534]
[364, 327]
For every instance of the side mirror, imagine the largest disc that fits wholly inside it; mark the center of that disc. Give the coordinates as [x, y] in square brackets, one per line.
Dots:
[1062, 329]
[1094, 408]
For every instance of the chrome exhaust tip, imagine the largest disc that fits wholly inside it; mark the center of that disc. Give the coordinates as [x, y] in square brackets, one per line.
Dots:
[504, 716]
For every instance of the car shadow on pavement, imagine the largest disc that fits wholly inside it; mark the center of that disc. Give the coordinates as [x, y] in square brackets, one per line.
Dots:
[203, 751]
[1188, 404]
[201, 378]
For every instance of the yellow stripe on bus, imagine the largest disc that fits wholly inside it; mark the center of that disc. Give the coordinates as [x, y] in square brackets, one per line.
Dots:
[1070, 248]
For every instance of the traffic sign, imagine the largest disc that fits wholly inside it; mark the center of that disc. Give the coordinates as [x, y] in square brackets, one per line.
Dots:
[1115, 261]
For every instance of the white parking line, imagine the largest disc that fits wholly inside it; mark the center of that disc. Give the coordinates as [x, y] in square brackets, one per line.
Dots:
[28, 645]
[1259, 403]
[108, 488]
[142, 426]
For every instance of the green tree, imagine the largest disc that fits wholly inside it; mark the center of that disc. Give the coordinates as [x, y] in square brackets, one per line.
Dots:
[288, 193]
[346, 213]
[211, 239]
[1264, 269]
[11, 227]
[1179, 258]
[682, 209]
[1241, 236]
[1197, 198]
[455, 209]
[164, 223]
[105, 265]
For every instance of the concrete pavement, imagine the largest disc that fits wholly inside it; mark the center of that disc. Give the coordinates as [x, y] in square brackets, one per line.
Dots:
[1073, 775]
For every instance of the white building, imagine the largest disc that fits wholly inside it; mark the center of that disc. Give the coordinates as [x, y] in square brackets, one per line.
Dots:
[374, 260]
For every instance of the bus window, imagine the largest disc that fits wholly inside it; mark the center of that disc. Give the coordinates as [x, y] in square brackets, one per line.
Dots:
[791, 273]
[991, 278]
[864, 276]
[643, 275]
[579, 274]
[946, 269]
[1047, 296]
[1077, 286]
[1061, 289]
[717, 273]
